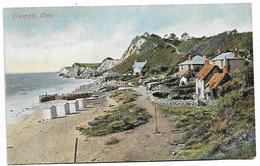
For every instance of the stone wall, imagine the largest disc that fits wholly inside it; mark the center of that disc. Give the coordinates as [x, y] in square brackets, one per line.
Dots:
[173, 102]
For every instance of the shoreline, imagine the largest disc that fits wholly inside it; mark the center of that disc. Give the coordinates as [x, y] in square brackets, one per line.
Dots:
[50, 144]
[94, 85]
[32, 130]
[16, 114]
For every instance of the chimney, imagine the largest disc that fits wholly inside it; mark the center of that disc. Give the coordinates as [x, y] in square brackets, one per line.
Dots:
[206, 62]
[226, 66]
[236, 52]
[190, 58]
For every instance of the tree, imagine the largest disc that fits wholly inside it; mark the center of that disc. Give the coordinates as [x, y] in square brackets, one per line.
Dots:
[185, 36]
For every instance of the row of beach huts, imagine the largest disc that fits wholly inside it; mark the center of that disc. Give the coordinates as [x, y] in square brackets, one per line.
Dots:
[70, 107]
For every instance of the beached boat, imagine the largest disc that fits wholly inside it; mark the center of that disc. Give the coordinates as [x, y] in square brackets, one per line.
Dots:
[46, 97]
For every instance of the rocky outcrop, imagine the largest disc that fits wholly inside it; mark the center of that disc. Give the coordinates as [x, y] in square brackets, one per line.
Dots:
[85, 71]
[78, 71]
[107, 64]
[137, 44]
[230, 144]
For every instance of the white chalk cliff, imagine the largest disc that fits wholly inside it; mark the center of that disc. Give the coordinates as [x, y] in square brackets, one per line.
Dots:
[77, 71]
[107, 64]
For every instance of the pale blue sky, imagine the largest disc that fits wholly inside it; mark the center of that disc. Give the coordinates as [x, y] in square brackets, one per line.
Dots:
[90, 34]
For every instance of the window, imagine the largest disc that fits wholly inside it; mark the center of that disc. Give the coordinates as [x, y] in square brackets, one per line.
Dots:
[246, 63]
[189, 67]
[221, 64]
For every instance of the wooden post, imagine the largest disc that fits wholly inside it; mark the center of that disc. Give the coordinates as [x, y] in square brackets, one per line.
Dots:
[75, 150]
[155, 116]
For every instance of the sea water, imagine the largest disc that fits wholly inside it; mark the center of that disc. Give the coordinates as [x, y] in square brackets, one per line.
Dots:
[23, 90]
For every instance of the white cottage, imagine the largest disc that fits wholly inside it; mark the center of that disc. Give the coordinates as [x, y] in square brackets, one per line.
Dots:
[138, 67]
[50, 113]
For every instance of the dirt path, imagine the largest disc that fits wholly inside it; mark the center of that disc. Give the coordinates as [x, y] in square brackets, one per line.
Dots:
[33, 141]
[138, 144]
[143, 101]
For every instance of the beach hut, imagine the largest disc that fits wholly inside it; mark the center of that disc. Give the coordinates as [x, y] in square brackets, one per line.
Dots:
[82, 103]
[62, 109]
[50, 113]
[73, 106]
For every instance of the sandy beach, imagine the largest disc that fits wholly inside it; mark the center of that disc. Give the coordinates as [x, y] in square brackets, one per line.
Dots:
[35, 141]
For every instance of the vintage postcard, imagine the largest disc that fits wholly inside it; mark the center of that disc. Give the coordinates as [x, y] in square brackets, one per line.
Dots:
[129, 83]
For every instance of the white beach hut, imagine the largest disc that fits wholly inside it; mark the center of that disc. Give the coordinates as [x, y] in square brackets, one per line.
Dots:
[50, 113]
[82, 103]
[62, 109]
[73, 106]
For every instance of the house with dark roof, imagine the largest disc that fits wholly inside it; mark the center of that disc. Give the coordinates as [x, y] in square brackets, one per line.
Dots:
[234, 61]
[138, 67]
[193, 63]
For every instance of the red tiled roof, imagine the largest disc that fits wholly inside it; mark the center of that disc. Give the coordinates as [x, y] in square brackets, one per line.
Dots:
[204, 72]
[216, 79]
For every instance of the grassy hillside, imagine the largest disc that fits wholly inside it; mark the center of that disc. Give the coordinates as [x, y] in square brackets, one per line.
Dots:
[225, 41]
[159, 51]
[224, 130]
[90, 65]
[156, 52]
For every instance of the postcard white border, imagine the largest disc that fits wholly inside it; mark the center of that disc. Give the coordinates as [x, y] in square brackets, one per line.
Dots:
[47, 3]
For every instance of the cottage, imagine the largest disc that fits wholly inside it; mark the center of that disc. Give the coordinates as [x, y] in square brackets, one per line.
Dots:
[203, 77]
[218, 79]
[193, 63]
[138, 67]
[234, 61]
[209, 78]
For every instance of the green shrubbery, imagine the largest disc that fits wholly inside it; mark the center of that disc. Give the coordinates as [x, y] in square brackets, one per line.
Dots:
[90, 65]
[126, 96]
[182, 92]
[229, 86]
[110, 88]
[126, 117]
[240, 79]
[112, 141]
[205, 128]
